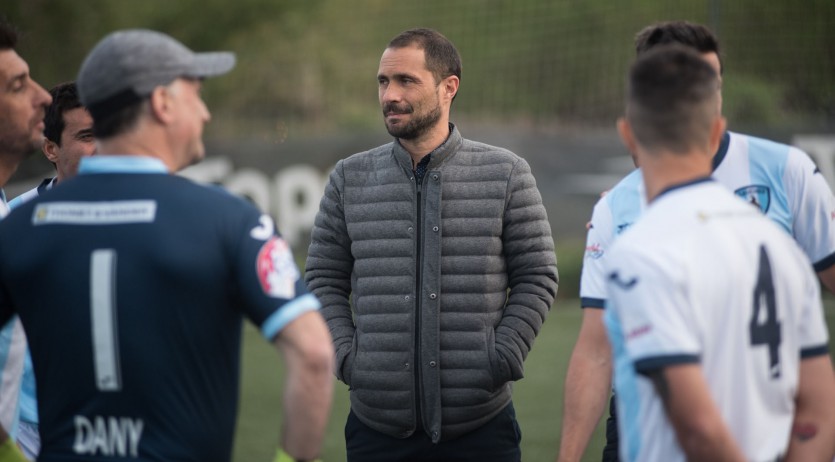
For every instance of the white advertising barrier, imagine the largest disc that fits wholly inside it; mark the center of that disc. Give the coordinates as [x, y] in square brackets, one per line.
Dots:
[822, 150]
[292, 195]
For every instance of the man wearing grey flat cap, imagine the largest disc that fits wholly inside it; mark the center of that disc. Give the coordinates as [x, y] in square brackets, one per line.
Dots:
[135, 328]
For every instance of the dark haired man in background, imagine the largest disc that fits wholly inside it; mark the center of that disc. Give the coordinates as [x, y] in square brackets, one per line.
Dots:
[22, 106]
[433, 258]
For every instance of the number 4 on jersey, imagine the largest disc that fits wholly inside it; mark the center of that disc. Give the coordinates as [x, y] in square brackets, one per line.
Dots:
[766, 331]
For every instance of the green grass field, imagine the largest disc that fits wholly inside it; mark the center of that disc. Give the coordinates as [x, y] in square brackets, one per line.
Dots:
[537, 398]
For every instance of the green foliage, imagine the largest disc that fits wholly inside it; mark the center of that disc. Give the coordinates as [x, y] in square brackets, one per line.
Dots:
[312, 64]
[570, 264]
[752, 100]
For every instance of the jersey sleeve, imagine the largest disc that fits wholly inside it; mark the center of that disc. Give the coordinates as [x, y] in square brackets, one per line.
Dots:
[598, 239]
[649, 298]
[813, 209]
[272, 289]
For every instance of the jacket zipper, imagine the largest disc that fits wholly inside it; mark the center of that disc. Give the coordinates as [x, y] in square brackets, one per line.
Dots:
[418, 297]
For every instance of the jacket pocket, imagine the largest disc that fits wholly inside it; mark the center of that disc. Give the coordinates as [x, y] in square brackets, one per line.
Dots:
[494, 359]
[348, 364]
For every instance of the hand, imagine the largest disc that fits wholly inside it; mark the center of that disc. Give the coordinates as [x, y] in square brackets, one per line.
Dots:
[9, 452]
[280, 456]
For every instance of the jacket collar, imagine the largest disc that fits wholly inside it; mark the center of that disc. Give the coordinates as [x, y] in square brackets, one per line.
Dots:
[439, 154]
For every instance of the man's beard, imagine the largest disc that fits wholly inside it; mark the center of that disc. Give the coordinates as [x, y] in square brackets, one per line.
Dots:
[417, 126]
[19, 146]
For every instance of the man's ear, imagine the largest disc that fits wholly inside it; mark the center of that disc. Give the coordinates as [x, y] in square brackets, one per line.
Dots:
[50, 150]
[160, 104]
[628, 138]
[716, 132]
[450, 86]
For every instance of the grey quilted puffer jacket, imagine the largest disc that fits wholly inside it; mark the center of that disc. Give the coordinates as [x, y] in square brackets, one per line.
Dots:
[449, 281]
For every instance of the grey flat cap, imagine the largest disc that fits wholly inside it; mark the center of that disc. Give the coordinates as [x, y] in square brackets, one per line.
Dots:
[127, 65]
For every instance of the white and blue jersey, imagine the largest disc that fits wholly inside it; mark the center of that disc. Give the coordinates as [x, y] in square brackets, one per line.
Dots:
[132, 284]
[28, 405]
[705, 279]
[12, 355]
[780, 180]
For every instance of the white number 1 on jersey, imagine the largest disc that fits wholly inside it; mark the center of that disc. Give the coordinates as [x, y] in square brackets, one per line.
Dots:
[104, 320]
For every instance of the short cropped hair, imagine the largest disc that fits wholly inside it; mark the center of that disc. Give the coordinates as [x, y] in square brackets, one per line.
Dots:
[64, 98]
[672, 99]
[442, 58]
[685, 33]
[8, 35]
[119, 121]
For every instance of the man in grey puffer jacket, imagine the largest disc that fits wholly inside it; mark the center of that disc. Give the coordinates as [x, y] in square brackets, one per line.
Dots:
[442, 248]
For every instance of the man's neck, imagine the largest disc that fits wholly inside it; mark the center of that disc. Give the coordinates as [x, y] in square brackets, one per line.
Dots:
[662, 171]
[137, 144]
[420, 147]
[8, 165]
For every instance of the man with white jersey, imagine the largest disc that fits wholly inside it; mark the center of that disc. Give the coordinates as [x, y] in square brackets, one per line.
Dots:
[135, 328]
[22, 106]
[780, 180]
[714, 313]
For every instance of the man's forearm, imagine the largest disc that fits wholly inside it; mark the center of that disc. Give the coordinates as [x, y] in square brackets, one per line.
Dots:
[307, 402]
[813, 430]
[308, 357]
[587, 388]
[827, 277]
[586, 393]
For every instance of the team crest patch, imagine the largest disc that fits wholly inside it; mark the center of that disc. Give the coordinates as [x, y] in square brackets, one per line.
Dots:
[594, 251]
[277, 271]
[756, 195]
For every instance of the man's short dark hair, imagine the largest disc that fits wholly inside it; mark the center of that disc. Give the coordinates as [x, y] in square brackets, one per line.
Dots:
[442, 58]
[8, 35]
[64, 98]
[117, 122]
[672, 99]
[685, 33]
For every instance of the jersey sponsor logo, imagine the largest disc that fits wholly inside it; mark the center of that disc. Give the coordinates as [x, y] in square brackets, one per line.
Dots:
[622, 227]
[594, 251]
[107, 436]
[757, 195]
[95, 213]
[264, 230]
[639, 331]
[623, 284]
[276, 269]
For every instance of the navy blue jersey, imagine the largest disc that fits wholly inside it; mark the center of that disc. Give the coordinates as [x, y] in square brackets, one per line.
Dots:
[132, 288]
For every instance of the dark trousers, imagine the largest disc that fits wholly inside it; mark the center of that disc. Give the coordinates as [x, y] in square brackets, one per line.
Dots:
[496, 441]
[610, 451]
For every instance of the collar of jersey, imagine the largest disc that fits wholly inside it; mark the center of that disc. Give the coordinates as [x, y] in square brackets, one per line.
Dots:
[121, 164]
[703, 179]
[723, 149]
